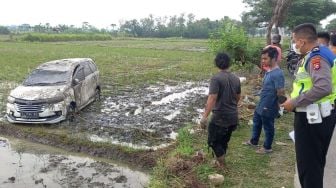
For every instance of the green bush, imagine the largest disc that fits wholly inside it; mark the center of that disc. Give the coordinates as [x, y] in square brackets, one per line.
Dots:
[253, 52]
[230, 38]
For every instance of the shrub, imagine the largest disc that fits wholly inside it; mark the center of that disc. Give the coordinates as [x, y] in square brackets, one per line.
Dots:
[232, 39]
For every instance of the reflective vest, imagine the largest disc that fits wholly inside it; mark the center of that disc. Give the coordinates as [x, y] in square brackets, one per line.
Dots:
[303, 81]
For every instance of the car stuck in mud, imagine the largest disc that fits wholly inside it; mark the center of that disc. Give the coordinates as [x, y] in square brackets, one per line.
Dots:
[54, 90]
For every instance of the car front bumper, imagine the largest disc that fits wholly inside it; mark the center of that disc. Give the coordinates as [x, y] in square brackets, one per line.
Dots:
[46, 113]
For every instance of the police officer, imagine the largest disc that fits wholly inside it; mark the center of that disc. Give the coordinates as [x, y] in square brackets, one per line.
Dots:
[312, 100]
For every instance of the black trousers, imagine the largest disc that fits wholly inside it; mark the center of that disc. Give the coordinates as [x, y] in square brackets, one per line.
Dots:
[311, 146]
[219, 137]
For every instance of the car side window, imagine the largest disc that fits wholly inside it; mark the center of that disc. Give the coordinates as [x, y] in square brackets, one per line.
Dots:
[87, 69]
[79, 74]
[93, 67]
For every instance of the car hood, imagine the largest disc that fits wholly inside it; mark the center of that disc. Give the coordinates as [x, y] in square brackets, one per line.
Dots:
[38, 92]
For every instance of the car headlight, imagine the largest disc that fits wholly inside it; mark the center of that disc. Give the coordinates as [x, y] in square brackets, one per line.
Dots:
[55, 106]
[10, 99]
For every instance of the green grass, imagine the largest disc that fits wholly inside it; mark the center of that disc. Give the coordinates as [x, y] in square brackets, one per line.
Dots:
[122, 62]
[185, 143]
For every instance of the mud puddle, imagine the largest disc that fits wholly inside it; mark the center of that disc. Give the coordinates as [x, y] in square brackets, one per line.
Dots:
[29, 165]
[146, 118]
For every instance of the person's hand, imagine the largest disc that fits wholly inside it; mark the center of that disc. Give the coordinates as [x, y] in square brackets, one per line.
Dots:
[288, 105]
[204, 122]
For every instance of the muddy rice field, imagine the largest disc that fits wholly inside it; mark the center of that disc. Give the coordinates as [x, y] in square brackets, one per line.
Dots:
[147, 118]
[143, 118]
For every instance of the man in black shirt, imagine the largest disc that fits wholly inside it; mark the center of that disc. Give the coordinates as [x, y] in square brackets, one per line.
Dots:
[224, 94]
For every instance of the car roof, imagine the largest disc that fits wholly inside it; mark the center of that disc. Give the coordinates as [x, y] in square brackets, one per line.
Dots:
[63, 64]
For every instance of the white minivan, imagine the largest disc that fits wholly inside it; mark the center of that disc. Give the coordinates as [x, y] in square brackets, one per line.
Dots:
[53, 90]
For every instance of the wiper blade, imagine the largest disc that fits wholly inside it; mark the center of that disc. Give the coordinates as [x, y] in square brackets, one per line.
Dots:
[60, 82]
[38, 84]
[44, 84]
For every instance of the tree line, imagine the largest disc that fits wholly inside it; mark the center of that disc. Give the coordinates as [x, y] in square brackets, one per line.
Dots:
[184, 26]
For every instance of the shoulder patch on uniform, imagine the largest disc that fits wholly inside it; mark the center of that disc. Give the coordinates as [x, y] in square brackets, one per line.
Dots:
[316, 62]
[316, 49]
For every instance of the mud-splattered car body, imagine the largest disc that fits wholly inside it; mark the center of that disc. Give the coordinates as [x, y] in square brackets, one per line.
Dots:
[53, 90]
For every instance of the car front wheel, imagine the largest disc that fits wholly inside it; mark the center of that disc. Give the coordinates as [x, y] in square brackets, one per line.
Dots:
[97, 94]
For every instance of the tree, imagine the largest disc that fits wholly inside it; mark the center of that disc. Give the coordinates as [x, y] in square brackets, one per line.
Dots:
[191, 18]
[312, 11]
[299, 11]
[38, 28]
[160, 28]
[279, 15]
[260, 11]
[131, 27]
[48, 27]
[332, 25]
[113, 26]
[24, 28]
[180, 21]
[147, 25]
[85, 26]
[62, 28]
[4, 30]
[287, 13]
[249, 23]
[199, 29]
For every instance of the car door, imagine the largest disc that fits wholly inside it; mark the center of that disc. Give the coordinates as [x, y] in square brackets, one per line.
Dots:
[95, 72]
[77, 81]
[89, 85]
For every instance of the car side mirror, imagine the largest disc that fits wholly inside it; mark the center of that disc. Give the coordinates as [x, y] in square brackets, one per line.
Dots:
[75, 81]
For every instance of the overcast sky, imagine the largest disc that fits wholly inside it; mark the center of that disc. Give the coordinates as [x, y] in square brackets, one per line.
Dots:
[102, 13]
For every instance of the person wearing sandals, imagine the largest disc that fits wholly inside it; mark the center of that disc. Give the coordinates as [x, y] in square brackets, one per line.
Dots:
[268, 106]
[224, 95]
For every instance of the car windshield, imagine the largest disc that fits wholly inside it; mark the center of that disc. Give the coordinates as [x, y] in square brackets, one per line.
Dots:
[40, 77]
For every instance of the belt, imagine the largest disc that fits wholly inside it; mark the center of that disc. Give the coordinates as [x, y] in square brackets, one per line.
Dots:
[301, 109]
[304, 109]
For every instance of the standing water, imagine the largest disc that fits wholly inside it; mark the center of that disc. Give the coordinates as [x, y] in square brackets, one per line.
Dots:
[30, 165]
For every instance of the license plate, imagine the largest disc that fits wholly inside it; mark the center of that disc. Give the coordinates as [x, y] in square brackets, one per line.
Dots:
[29, 115]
